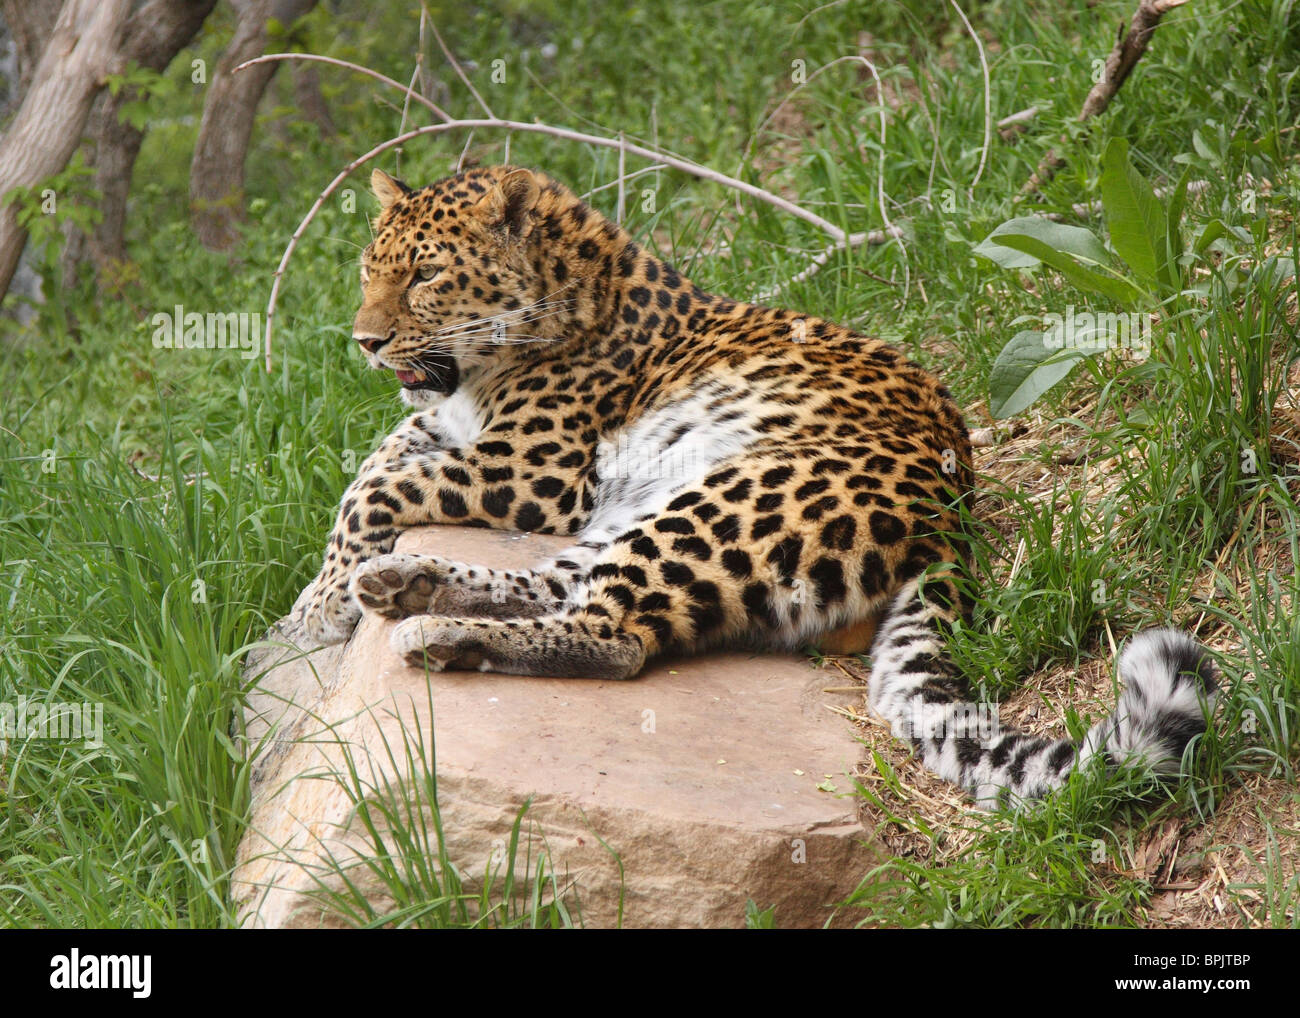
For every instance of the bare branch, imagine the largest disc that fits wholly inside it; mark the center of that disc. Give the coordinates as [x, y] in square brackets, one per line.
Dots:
[266, 57]
[622, 180]
[1016, 121]
[816, 11]
[415, 74]
[460, 71]
[869, 238]
[626, 177]
[988, 115]
[1128, 50]
[880, 176]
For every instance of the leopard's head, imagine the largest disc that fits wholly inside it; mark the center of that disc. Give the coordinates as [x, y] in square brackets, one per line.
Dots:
[450, 282]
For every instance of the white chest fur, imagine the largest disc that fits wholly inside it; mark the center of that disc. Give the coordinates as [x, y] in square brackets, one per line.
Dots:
[460, 419]
[642, 466]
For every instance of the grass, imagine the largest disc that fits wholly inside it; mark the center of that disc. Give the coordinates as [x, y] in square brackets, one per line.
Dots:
[158, 509]
[1048, 867]
[403, 858]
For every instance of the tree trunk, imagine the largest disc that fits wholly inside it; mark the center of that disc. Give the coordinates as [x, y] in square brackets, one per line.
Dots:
[44, 133]
[154, 35]
[30, 23]
[217, 171]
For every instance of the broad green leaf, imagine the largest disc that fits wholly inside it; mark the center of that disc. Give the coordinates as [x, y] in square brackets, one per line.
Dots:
[1025, 369]
[1202, 149]
[1077, 273]
[1072, 240]
[1136, 222]
[1211, 232]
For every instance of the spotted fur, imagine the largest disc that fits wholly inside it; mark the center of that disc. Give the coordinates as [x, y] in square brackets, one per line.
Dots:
[732, 475]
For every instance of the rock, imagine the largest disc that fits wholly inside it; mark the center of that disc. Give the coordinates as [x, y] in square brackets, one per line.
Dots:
[701, 776]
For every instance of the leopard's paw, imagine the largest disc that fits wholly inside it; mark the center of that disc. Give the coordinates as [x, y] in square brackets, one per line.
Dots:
[438, 644]
[329, 612]
[396, 586]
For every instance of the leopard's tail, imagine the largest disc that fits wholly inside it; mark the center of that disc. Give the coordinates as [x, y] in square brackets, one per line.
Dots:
[1170, 686]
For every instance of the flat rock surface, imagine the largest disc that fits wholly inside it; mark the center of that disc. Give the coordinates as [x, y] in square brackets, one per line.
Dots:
[701, 775]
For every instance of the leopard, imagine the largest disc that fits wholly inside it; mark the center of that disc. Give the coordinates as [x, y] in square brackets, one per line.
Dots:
[732, 475]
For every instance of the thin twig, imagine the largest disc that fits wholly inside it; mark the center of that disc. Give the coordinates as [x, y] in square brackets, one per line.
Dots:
[460, 163]
[622, 181]
[654, 136]
[817, 10]
[419, 53]
[842, 242]
[880, 175]
[415, 74]
[1016, 122]
[888, 282]
[936, 149]
[988, 114]
[655, 168]
[869, 238]
[456, 66]
[406, 105]
[267, 57]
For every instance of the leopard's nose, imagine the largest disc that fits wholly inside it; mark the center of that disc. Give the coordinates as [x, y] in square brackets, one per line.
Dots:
[371, 344]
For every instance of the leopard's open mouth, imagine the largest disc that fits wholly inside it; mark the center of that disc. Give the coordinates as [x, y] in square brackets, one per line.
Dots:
[436, 372]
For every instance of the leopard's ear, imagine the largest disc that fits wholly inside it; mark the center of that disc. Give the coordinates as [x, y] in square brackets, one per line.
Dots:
[387, 189]
[507, 205]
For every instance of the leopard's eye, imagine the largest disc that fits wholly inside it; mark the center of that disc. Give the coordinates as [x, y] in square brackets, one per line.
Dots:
[426, 272]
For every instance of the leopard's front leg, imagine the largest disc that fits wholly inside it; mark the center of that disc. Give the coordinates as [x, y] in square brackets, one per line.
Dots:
[371, 513]
[412, 479]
